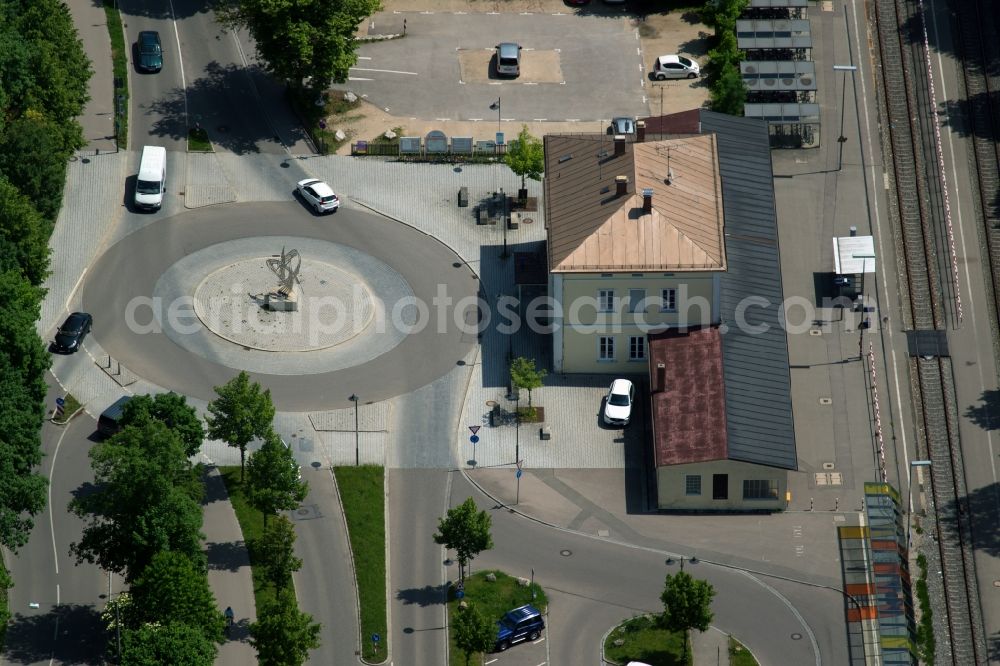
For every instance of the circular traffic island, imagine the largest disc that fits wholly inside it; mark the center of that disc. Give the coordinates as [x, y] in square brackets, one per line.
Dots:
[379, 309]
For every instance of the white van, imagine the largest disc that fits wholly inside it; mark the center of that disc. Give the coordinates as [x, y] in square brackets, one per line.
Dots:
[152, 180]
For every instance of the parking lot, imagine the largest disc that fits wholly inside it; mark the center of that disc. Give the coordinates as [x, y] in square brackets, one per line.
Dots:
[528, 653]
[575, 67]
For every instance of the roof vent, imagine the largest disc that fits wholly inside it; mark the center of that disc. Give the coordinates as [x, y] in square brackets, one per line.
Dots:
[619, 145]
[565, 158]
[660, 380]
[621, 186]
[647, 200]
[670, 176]
[640, 131]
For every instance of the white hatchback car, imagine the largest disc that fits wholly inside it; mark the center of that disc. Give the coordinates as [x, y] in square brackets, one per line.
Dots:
[319, 195]
[675, 67]
[618, 404]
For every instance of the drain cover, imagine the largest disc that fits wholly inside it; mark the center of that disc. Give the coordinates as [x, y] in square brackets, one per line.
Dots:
[565, 553]
[826, 401]
[306, 512]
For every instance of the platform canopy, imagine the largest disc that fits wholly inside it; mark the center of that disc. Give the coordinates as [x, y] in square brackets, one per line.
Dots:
[773, 34]
[778, 3]
[767, 75]
[853, 255]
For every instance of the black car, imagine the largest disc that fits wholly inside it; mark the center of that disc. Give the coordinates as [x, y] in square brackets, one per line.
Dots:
[521, 624]
[150, 51]
[70, 335]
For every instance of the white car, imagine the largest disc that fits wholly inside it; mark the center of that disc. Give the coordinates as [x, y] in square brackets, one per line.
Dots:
[618, 404]
[675, 67]
[319, 195]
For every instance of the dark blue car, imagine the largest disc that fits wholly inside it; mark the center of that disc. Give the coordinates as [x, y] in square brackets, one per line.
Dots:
[70, 335]
[521, 624]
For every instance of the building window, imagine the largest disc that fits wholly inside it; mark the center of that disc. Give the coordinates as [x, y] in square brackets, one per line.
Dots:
[692, 485]
[637, 348]
[669, 300]
[760, 489]
[606, 300]
[635, 300]
[606, 349]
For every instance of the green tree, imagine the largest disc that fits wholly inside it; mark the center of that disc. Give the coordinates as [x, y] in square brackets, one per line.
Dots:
[525, 376]
[473, 631]
[687, 604]
[466, 531]
[173, 411]
[307, 42]
[240, 414]
[24, 234]
[22, 487]
[20, 308]
[177, 644]
[173, 589]
[729, 92]
[274, 552]
[283, 635]
[145, 501]
[33, 159]
[726, 54]
[43, 65]
[273, 482]
[526, 158]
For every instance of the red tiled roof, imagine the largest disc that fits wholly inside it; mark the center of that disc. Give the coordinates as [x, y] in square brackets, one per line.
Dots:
[689, 413]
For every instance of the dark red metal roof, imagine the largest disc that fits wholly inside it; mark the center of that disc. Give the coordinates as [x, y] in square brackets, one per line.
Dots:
[689, 411]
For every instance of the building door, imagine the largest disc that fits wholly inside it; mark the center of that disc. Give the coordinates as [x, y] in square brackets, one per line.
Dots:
[720, 486]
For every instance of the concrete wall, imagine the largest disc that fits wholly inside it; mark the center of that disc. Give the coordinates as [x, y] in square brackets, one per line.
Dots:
[672, 486]
[581, 324]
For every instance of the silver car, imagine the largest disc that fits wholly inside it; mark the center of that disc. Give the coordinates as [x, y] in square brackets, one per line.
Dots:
[675, 67]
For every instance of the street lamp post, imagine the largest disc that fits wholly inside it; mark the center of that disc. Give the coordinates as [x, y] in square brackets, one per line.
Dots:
[495, 106]
[864, 267]
[517, 425]
[357, 450]
[843, 98]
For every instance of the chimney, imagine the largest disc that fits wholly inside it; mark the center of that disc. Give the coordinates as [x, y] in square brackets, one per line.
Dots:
[660, 381]
[647, 200]
[621, 186]
[640, 131]
[619, 145]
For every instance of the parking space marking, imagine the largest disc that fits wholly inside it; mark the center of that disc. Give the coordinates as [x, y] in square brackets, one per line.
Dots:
[540, 640]
[385, 71]
[357, 78]
[491, 661]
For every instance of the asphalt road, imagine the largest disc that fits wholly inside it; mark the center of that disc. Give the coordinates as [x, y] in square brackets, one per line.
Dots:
[65, 627]
[421, 76]
[208, 79]
[592, 585]
[130, 269]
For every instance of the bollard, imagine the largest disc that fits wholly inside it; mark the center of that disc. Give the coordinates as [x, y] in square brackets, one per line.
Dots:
[836, 504]
[810, 503]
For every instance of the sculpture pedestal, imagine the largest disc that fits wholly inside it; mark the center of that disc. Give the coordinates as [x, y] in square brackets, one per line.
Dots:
[277, 301]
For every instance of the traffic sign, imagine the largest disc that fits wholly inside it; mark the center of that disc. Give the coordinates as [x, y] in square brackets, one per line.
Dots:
[474, 439]
[459, 594]
[61, 402]
[518, 473]
[475, 429]
[376, 638]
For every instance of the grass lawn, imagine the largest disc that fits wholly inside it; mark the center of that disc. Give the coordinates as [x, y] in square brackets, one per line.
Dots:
[198, 141]
[643, 641]
[119, 67]
[739, 655]
[252, 525]
[363, 495]
[493, 600]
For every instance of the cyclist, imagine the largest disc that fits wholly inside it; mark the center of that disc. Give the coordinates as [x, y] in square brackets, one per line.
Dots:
[230, 616]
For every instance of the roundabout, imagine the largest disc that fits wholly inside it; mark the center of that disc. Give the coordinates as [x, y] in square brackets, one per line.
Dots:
[383, 309]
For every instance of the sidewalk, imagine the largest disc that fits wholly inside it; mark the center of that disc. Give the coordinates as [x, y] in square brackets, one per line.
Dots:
[98, 119]
[228, 570]
[710, 648]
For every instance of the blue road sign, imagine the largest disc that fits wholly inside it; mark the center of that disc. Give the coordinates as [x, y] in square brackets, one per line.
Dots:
[376, 638]
[61, 402]
[518, 474]
[459, 594]
[474, 439]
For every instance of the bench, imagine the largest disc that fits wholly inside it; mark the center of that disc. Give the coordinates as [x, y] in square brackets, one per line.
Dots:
[463, 197]
[484, 216]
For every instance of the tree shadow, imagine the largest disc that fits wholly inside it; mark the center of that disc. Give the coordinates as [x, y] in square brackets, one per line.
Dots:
[429, 595]
[981, 505]
[987, 414]
[69, 633]
[227, 556]
[207, 104]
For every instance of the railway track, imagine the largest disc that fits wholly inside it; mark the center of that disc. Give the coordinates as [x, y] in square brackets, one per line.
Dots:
[914, 170]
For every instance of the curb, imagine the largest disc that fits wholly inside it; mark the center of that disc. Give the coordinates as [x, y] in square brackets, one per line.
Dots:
[69, 418]
[354, 571]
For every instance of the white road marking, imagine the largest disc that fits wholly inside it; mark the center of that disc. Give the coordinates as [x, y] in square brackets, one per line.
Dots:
[475, 120]
[443, 120]
[539, 120]
[461, 82]
[530, 83]
[461, 13]
[491, 661]
[358, 78]
[540, 640]
[386, 71]
[572, 120]
[496, 83]
[364, 58]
